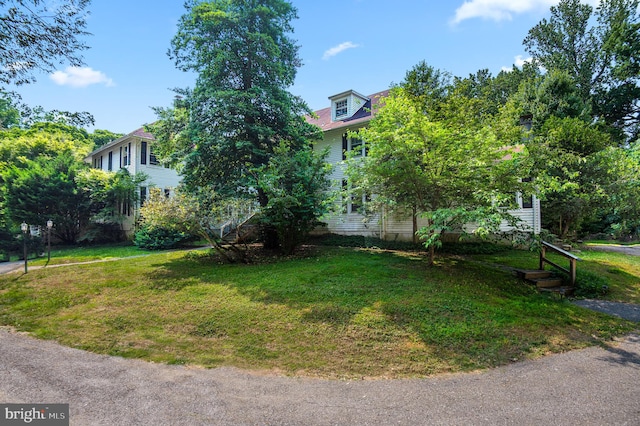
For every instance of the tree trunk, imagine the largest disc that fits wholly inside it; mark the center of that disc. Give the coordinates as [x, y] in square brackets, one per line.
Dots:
[269, 235]
[432, 255]
[415, 224]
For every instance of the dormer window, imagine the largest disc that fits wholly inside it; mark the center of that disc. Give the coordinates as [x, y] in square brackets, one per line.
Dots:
[341, 108]
[344, 105]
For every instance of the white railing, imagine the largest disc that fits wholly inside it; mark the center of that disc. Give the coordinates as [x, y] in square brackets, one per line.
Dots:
[237, 221]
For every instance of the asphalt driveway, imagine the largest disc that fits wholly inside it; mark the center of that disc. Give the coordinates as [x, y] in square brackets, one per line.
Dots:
[595, 386]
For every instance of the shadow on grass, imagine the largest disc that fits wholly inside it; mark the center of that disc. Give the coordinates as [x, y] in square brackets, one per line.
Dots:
[470, 313]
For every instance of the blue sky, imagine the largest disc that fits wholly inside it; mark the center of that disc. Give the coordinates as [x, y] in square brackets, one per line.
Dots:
[364, 45]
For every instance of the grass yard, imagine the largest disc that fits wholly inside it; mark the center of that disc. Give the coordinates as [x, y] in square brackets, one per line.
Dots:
[67, 255]
[620, 271]
[336, 313]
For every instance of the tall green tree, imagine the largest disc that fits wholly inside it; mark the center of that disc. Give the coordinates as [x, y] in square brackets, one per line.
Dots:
[623, 219]
[44, 189]
[576, 172]
[297, 186]
[451, 168]
[43, 176]
[9, 113]
[37, 176]
[240, 110]
[495, 92]
[42, 140]
[427, 85]
[102, 137]
[36, 35]
[600, 50]
[573, 156]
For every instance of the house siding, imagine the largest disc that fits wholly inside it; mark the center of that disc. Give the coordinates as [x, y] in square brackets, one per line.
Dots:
[158, 175]
[388, 226]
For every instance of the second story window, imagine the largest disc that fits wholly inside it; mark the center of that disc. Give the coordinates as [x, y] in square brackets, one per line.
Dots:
[153, 160]
[126, 157]
[357, 146]
[143, 152]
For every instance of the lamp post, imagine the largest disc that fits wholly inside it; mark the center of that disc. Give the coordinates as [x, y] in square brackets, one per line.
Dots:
[25, 228]
[49, 226]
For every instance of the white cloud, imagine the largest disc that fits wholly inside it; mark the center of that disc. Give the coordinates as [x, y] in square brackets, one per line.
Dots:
[80, 77]
[519, 62]
[338, 49]
[499, 10]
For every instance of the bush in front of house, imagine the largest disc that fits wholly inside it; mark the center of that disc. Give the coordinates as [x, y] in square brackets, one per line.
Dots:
[155, 238]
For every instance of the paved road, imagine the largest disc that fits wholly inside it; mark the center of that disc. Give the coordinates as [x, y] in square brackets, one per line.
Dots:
[630, 250]
[6, 267]
[594, 386]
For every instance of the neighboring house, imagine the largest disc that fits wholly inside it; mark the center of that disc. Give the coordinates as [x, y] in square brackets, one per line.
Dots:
[134, 152]
[350, 111]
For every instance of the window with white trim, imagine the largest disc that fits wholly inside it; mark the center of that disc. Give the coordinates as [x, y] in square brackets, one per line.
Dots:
[357, 147]
[341, 108]
[356, 201]
[153, 159]
[527, 199]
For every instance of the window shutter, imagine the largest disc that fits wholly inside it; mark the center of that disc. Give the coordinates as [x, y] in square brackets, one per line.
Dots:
[345, 147]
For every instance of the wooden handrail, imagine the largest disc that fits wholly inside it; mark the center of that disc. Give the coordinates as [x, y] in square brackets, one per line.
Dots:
[572, 260]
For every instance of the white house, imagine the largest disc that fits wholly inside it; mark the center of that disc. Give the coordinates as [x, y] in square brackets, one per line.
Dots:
[350, 111]
[134, 152]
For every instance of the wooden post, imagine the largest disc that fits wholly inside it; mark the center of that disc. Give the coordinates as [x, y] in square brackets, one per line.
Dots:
[543, 252]
[573, 271]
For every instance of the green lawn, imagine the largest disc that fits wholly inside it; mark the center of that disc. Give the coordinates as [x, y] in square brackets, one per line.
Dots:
[621, 271]
[338, 313]
[65, 255]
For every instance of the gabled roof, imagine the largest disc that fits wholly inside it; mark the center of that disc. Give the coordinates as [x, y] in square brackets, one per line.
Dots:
[364, 114]
[347, 93]
[138, 133]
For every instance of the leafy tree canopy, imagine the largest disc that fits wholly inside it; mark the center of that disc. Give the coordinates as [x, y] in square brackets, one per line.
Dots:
[240, 109]
[297, 186]
[46, 140]
[43, 189]
[102, 137]
[453, 168]
[36, 35]
[225, 130]
[9, 112]
[600, 50]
